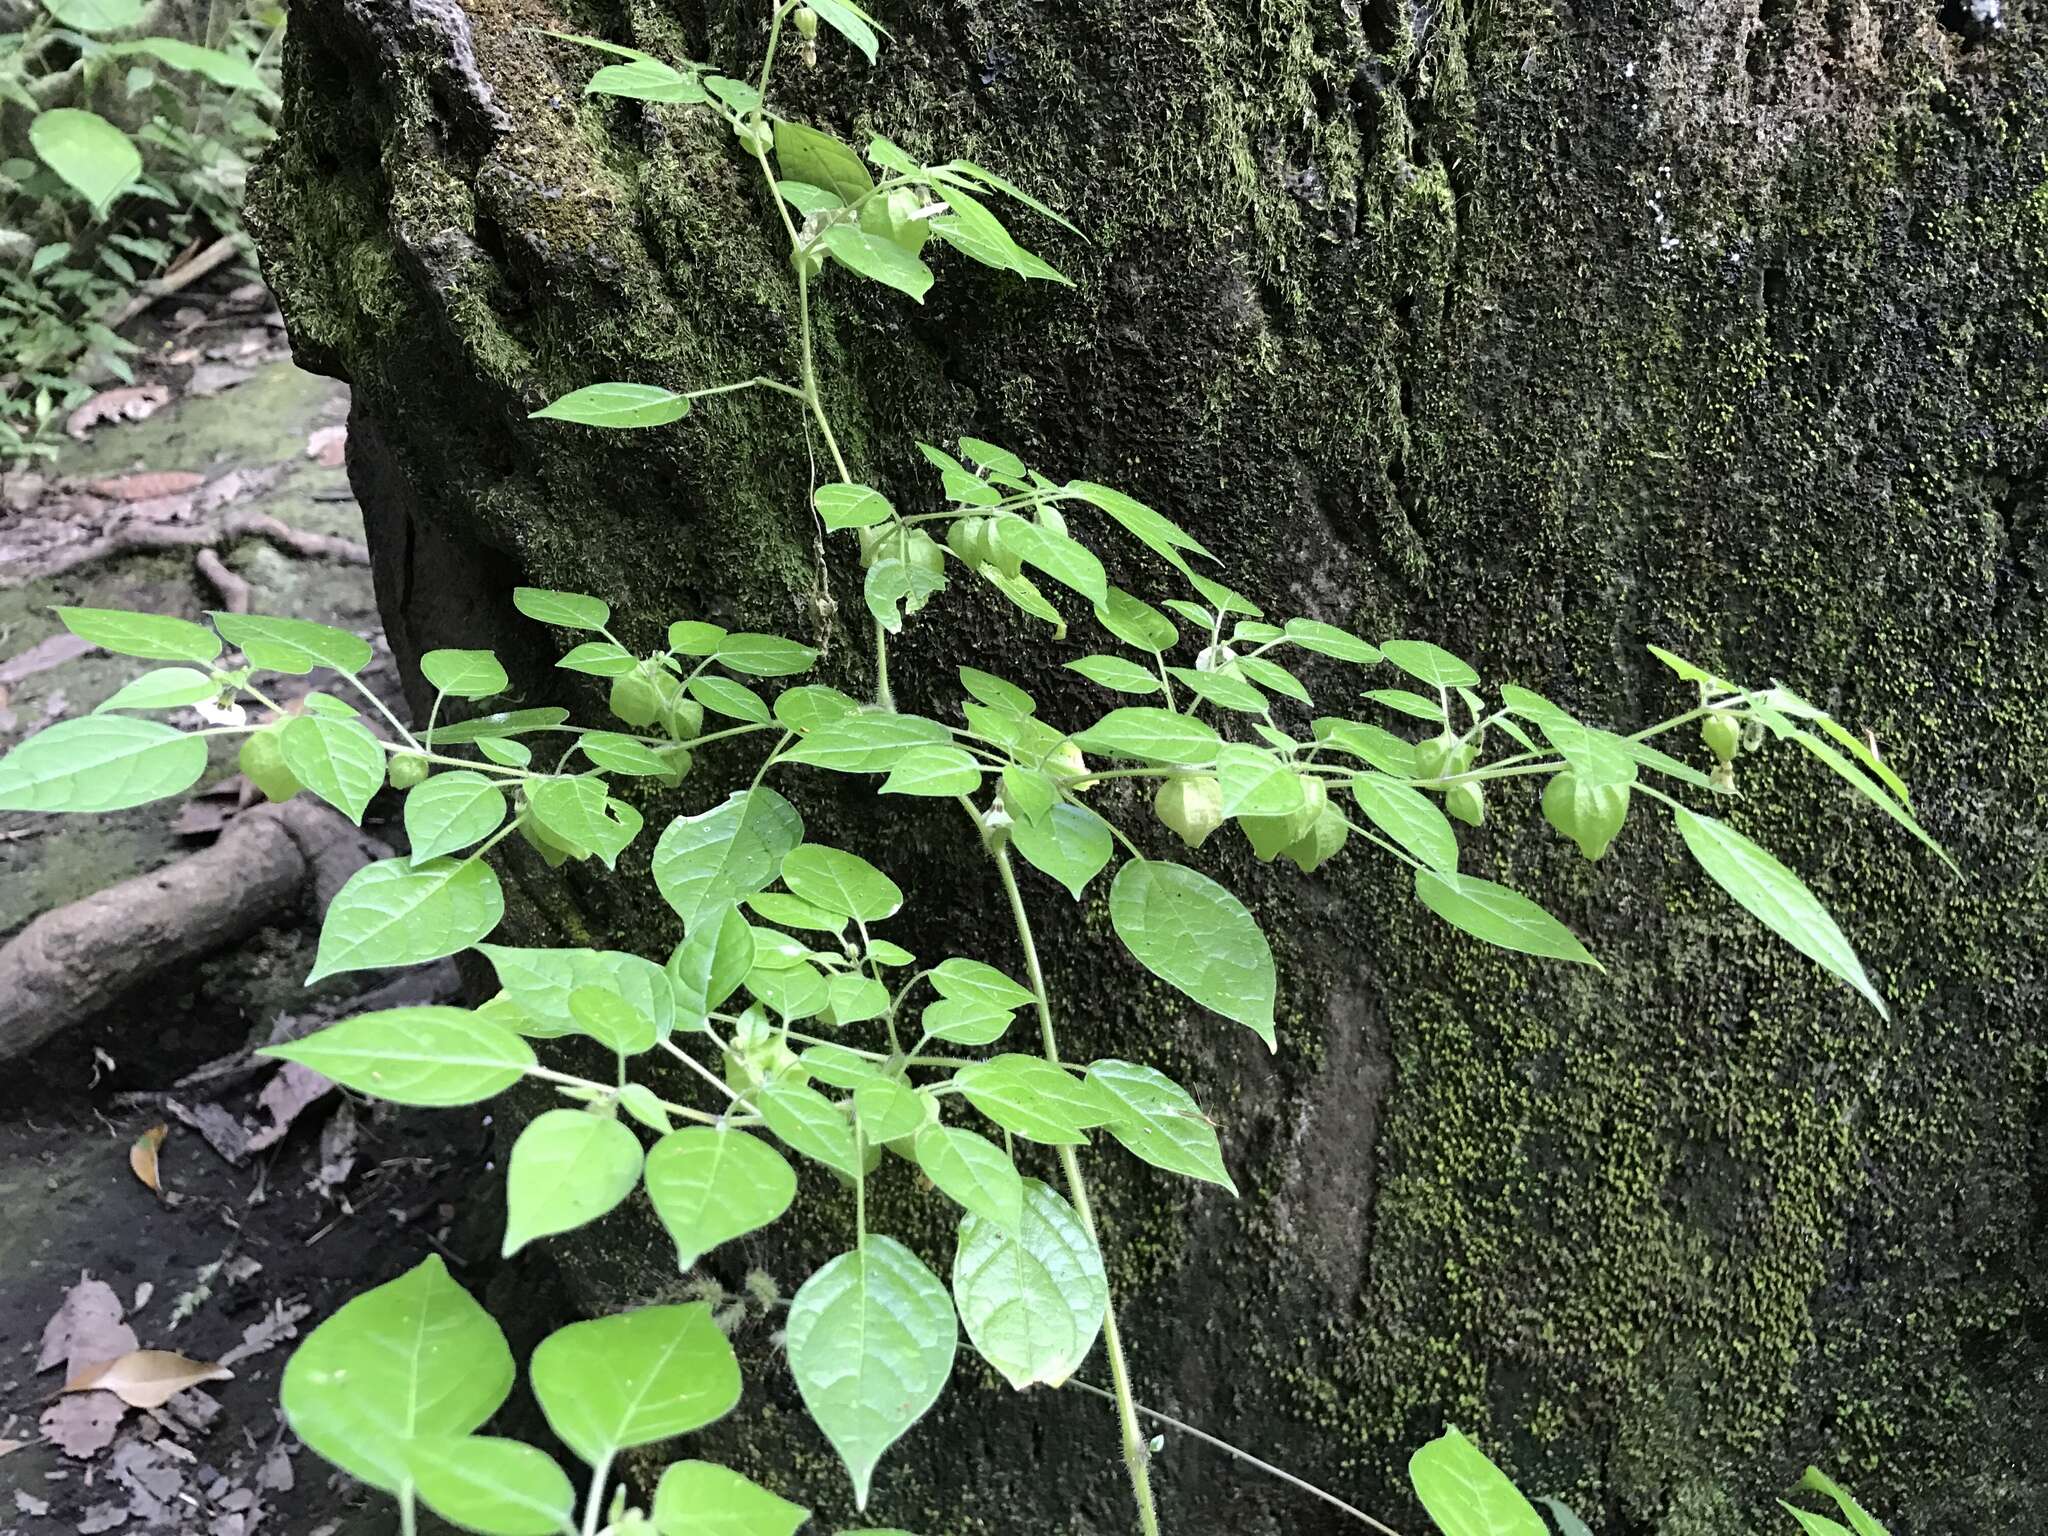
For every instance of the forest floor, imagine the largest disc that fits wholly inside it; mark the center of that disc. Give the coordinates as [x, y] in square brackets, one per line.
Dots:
[162, 1188]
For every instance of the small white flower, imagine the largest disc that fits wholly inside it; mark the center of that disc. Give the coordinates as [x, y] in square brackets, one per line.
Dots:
[222, 712]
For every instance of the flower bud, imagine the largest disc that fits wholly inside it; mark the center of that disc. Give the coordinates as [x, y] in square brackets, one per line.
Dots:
[405, 770]
[806, 21]
[1589, 815]
[1192, 805]
[1467, 802]
[262, 764]
[1723, 735]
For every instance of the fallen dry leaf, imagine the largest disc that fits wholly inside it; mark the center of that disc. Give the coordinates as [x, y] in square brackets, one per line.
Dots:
[327, 444]
[147, 1378]
[142, 1157]
[147, 484]
[284, 1098]
[269, 1331]
[29, 1504]
[82, 1425]
[131, 402]
[85, 1328]
[9, 1447]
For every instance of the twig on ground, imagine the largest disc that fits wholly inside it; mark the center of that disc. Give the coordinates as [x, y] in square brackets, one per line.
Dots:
[137, 537]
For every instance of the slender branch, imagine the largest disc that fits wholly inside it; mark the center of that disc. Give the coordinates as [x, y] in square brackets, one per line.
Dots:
[1242, 1455]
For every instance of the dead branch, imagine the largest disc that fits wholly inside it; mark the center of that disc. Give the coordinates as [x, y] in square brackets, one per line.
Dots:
[234, 592]
[139, 537]
[70, 965]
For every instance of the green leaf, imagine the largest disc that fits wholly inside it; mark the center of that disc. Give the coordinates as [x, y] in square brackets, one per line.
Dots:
[1568, 1523]
[790, 991]
[974, 1172]
[1032, 1297]
[851, 506]
[1405, 702]
[465, 674]
[1070, 843]
[224, 69]
[431, 1058]
[764, 655]
[736, 94]
[541, 982]
[1136, 622]
[1158, 1120]
[1156, 532]
[1027, 793]
[855, 999]
[808, 1122]
[871, 1339]
[1410, 818]
[624, 754]
[851, 23]
[393, 913]
[973, 981]
[292, 646]
[611, 1021]
[1466, 1494]
[1226, 690]
[841, 882]
[872, 741]
[504, 723]
[884, 261]
[807, 199]
[450, 811]
[1329, 640]
[711, 1184]
[1009, 189]
[645, 1106]
[839, 1066]
[1116, 672]
[1194, 935]
[1775, 897]
[1499, 916]
[1151, 735]
[89, 154]
[151, 636]
[582, 816]
[707, 862]
[888, 1110]
[1031, 1097]
[1058, 556]
[646, 80]
[164, 688]
[338, 760]
[895, 587]
[1859, 1518]
[736, 701]
[1369, 743]
[97, 15]
[415, 1357]
[710, 963]
[700, 1498]
[1812, 1524]
[633, 1378]
[804, 154]
[100, 763]
[600, 658]
[934, 771]
[568, 1167]
[965, 1021]
[614, 405]
[793, 912]
[1273, 677]
[498, 1487]
[1255, 782]
[1428, 663]
[564, 610]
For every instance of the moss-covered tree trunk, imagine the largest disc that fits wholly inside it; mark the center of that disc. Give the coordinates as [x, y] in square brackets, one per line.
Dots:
[1539, 329]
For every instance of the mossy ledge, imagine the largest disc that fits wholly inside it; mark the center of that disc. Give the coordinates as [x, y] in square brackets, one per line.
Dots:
[1541, 331]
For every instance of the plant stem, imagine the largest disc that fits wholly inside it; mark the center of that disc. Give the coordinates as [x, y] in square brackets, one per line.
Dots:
[408, 1511]
[1136, 1456]
[595, 1507]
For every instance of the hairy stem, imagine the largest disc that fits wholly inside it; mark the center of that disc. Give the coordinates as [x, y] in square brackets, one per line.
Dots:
[1137, 1457]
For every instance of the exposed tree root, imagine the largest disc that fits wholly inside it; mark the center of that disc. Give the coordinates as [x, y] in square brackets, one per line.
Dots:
[70, 964]
[209, 537]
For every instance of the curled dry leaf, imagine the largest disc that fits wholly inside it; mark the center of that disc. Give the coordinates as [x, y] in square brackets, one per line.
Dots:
[131, 402]
[147, 1378]
[85, 1328]
[326, 445]
[148, 484]
[142, 1157]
